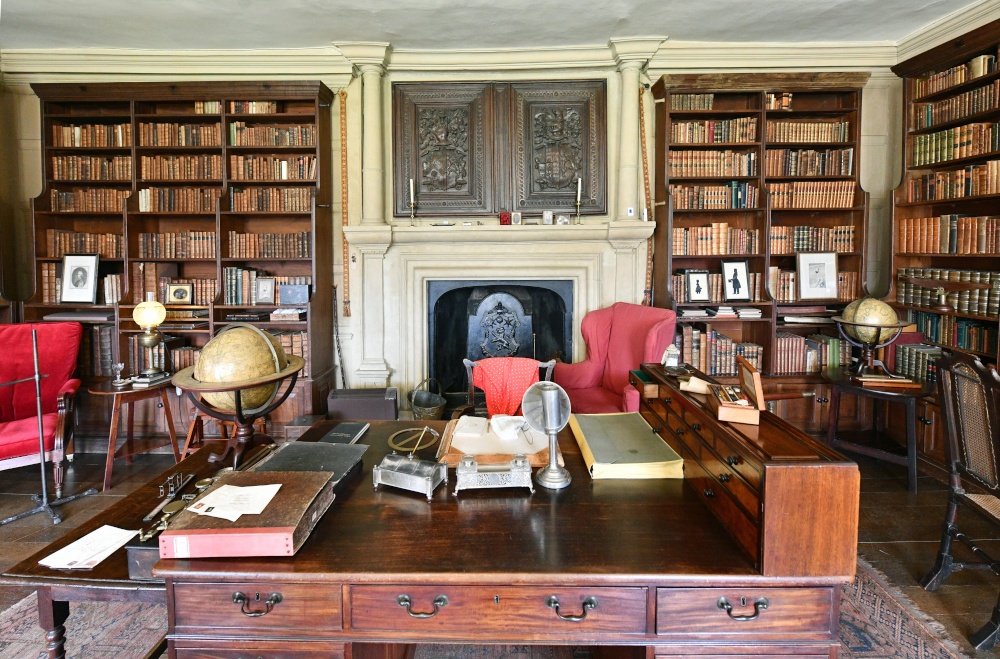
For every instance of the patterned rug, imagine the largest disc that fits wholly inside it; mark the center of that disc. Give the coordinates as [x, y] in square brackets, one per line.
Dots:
[876, 621]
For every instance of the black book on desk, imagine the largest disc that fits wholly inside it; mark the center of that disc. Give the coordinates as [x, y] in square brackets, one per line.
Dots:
[338, 458]
[345, 432]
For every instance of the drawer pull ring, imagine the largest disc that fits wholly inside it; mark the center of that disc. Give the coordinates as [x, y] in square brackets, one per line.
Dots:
[244, 601]
[440, 601]
[588, 604]
[759, 605]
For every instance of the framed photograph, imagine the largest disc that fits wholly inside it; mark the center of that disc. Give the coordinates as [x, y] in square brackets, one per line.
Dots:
[79, 278]
[265, 290]
[697, 287]
[736, 281]
[180, 293]
[816, 273]
[515, 217]
[562, 219]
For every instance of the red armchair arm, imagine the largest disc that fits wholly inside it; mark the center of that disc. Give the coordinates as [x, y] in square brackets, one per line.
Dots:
[69, 387]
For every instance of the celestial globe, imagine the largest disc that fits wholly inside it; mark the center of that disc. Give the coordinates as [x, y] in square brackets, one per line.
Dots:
[879, 321]
[238, 353]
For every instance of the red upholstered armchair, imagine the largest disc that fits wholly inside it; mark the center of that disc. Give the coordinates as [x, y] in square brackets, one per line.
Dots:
[58, 344]
[618, 339]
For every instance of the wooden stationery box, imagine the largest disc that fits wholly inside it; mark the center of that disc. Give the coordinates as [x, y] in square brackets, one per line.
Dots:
[750, 387]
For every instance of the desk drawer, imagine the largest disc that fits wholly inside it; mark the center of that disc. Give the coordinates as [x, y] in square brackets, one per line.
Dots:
[498, 611]
[738, 461]
[794, 613]
[730, 480]
[303, 607]
[680, 431]
[697, 423]
[722, 505]
[272, 650]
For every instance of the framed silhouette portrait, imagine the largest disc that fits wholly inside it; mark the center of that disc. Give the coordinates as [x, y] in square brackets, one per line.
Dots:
[697, 287]
[736, 282]
[79, 278]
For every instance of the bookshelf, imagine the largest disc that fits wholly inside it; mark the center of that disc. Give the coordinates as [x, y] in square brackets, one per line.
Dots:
[191, 192]
[946, 230]
[760, 169]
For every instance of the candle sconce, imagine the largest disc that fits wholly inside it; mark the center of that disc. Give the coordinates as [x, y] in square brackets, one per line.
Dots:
[578, 220]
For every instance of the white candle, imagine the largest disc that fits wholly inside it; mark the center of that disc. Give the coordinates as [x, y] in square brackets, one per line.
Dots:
[579, 188]
[413, 200]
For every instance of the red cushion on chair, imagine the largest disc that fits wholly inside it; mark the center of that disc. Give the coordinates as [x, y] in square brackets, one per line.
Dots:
[58, 344]
[594, 401]
[21, 437]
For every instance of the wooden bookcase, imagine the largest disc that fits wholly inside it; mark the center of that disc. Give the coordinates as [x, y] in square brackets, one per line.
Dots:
[761, 169]
[188, 183]
[945, 225]
[946, 230]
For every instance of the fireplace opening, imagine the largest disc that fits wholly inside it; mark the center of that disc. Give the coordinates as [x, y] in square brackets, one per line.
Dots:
[480, 319]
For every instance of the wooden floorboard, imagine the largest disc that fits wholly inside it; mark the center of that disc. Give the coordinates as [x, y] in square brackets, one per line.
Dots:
[898, 532]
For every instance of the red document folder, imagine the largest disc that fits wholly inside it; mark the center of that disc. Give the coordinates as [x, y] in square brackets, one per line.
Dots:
[278, 531]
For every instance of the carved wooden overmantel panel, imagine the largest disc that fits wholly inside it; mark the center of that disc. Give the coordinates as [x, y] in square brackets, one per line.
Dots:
[442, 139]
[478, 149]
[560, 136]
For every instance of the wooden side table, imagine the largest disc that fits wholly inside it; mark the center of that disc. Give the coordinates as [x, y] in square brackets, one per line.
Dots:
[129, 396]
[841, 383]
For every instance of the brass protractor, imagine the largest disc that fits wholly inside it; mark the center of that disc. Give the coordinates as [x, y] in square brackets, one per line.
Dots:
[411, 440]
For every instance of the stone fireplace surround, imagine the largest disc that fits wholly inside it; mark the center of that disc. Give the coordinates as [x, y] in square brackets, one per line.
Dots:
[604, 261]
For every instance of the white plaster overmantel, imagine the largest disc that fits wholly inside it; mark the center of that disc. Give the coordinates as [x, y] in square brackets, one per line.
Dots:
[605, 261]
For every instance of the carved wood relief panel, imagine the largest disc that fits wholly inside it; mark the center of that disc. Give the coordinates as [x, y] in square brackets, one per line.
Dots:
[481, 148]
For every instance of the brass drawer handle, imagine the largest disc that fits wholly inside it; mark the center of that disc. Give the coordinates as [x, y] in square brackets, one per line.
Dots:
[724, 478]
[759, 604]
[588, 604]
[440, 601]
[244, 601]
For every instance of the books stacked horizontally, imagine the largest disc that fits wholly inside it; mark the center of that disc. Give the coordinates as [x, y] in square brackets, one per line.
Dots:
[692, 313]
[721, 312]
[748, 312]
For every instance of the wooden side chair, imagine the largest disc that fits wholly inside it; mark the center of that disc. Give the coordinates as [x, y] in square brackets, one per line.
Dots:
[970, 405]
[504, 381]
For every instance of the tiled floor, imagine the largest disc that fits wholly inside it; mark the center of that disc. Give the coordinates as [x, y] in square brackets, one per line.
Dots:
[898, 532]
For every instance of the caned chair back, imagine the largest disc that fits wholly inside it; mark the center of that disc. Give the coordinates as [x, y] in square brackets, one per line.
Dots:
[969, 393]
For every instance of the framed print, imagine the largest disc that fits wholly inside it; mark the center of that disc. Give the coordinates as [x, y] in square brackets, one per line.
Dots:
[515, 217]
[697, 287]
[736, 281]
[79, 278]
[180, 293]
[265, 290]
[816, 273]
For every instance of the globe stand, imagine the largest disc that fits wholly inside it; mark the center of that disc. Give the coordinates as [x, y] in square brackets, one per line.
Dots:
[869, 364]
[244, 437]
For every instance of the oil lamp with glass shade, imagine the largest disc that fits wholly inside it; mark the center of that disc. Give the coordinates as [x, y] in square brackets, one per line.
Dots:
[149, 315]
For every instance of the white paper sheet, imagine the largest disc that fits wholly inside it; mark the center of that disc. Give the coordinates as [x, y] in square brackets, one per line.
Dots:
[231, 501]
[89, 550]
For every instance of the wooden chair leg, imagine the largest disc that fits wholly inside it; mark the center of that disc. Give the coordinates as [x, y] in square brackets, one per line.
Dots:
[944, 563]
[989, 635]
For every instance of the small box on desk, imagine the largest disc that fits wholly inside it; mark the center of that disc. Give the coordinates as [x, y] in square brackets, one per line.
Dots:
[370, 404]
[722, 399]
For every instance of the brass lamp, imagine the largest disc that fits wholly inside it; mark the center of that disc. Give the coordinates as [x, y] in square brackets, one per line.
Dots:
[149, 315]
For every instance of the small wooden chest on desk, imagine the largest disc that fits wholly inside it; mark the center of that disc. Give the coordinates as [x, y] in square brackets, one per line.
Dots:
[789, 501]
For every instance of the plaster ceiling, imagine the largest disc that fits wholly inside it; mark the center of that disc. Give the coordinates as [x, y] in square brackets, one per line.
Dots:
[451, 24]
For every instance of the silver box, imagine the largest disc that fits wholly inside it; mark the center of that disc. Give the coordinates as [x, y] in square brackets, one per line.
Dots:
[469, 475]
[409, 473]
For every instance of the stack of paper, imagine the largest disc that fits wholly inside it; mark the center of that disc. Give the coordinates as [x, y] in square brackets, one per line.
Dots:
[89, 550]
[232, 501]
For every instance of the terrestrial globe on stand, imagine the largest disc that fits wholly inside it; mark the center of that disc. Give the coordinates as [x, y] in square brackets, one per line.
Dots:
[236, 379]
[869, 324]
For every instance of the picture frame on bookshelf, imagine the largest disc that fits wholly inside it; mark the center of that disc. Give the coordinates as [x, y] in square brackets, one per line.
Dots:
[265, 290]
[736, 281]
[180, 293]
[697, 287]
[816, 273]
[79, 278]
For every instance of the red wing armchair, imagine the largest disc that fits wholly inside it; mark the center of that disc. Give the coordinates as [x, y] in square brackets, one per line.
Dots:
[58, 344]
[618, 339]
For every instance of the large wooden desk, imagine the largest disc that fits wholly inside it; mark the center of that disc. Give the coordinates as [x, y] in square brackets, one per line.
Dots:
[664, 575]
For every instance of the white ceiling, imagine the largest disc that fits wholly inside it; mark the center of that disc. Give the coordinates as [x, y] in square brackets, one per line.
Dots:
[453, 24]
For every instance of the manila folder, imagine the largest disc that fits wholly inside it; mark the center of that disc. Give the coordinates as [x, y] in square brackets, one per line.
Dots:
[279, 530]
[623, 445]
